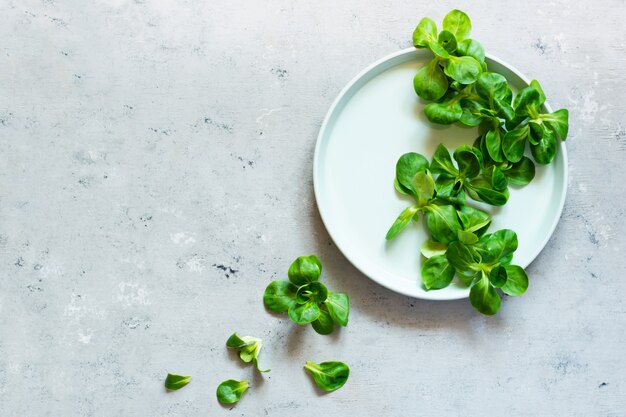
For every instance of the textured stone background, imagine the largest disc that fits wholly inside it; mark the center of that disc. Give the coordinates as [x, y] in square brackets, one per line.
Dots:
[156, 174]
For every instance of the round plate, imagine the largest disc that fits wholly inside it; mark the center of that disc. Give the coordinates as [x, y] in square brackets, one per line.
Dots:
[374, 120]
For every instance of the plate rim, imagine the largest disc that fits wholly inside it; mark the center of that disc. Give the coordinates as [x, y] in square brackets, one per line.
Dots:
[316, 171]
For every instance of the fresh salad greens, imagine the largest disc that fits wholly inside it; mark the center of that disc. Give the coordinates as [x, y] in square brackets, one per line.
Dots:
[459, 244]
[463, 90]
[248, 347]
[329, 376]
[175, 382]
[231, 391]
[305, 299]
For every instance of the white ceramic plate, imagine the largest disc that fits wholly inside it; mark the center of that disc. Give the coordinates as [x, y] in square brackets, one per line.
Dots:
[375, 119]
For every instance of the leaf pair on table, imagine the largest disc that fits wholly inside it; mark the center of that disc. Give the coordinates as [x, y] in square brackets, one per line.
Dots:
[458, 60]
[248, 347]
[307, 300]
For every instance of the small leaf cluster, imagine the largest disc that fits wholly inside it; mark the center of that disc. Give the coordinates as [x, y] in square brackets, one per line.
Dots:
[307, 300]
[482, 263]
[248, 347]
[464, 91]
[459, 245]
[458, 60]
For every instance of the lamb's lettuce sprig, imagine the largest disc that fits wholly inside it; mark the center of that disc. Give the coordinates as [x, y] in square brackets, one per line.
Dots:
[457, 60]
[305, 299]
[248, 348]
[463, 91]
[459, 245]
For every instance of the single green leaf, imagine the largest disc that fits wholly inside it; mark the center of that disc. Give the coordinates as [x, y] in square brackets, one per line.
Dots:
[522, 172]
[462, 260]
[279, 296]
[338, 305]
[484, 297]
[231, 390]
[504, 109]
[305, 269]
[324, 324]
[516, 282]
[542, 97]
[463, 69]
[437, 272]
[329, 376]
[400, 188]
[407, 166]
[236, 342]
[473, 220]
[493, 143]
[304, 313]
[468, 161]
[497, 276]
[431, 248]
[442, 162]
[467, 238]
[442, 222]
[447, 40]
[545, 148]
[424, 186]
[430, 82]
[457, 23]
[514, 143]
[482, 190]
[558, 121]
[315, 291]
[438, 49]
[497, 246]
[175, 382]
[445, 113]
[401, 222]
[497, 178]
[470, 47]
[491, 85]
[527, 102]
[425, 32]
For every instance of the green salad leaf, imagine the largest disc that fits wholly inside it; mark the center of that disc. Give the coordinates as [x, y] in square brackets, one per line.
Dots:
[328, 376]
[175, 382]
[231, 391]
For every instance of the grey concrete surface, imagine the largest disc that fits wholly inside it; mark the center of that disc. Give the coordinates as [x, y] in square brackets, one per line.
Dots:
[156, 161]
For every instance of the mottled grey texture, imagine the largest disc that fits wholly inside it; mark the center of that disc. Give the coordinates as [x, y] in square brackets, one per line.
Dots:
[156, 174]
